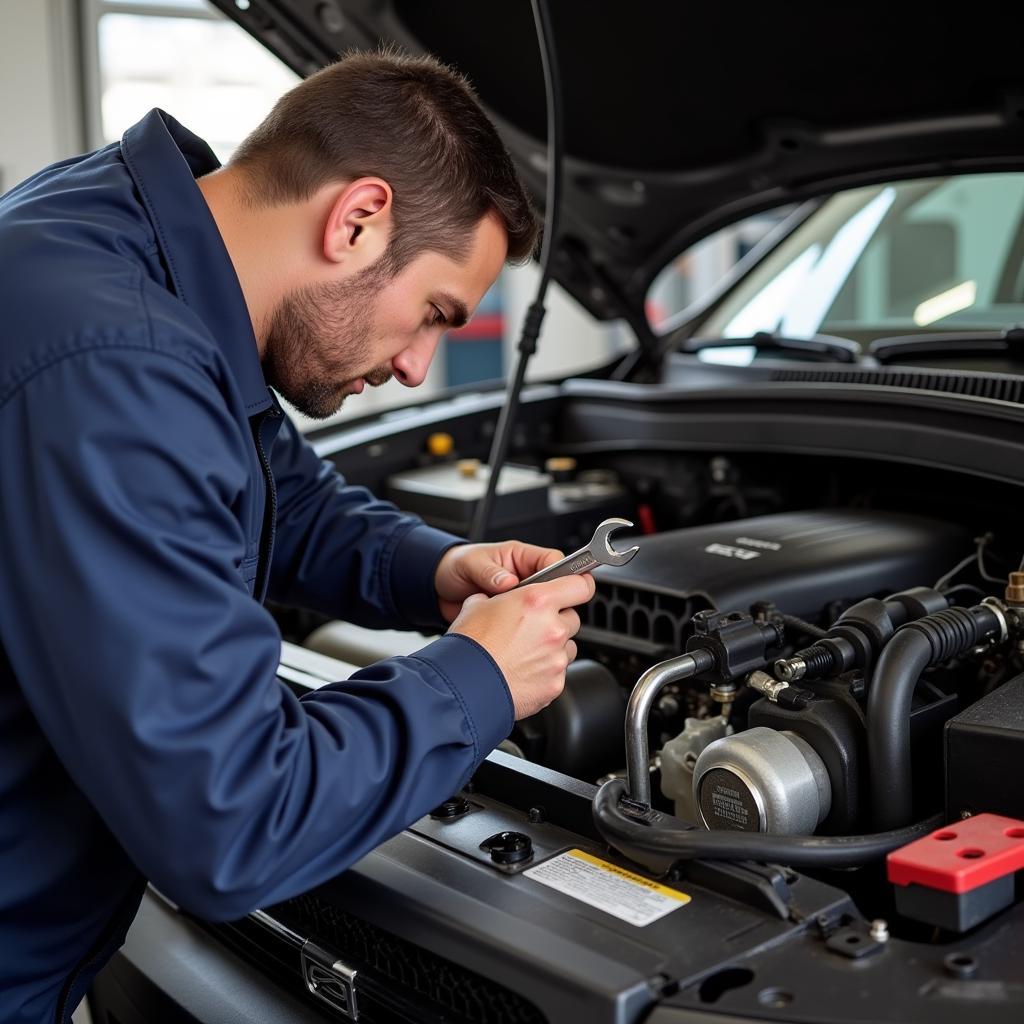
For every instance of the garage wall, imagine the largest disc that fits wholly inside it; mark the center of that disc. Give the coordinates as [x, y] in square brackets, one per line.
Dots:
[40, 93]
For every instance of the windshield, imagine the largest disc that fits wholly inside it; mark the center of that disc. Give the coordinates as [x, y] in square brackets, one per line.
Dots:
[941, 254]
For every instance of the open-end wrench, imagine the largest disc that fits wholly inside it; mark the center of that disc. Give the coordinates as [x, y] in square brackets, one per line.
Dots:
[598, 552]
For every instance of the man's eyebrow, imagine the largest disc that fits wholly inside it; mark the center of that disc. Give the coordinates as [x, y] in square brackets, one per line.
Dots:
[457, 314]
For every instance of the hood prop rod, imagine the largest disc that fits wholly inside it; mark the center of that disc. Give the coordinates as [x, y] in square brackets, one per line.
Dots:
[535, 314]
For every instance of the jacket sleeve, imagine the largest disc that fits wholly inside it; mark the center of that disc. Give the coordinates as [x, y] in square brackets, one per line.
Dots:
[119, 478]
[341, 551]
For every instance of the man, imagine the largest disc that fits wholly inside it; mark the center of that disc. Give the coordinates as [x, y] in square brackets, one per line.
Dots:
[152, 494]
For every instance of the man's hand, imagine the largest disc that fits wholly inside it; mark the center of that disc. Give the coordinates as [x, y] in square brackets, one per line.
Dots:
[486, 569]
[529, 634]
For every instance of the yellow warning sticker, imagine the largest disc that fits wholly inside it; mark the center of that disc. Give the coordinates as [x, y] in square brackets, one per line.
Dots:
[616, 891]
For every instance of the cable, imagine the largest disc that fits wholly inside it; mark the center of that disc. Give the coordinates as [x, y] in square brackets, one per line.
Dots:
[962, 587]
[977, 556]
[981, 562]
[631, 837]
[798, 624]
[535, 314]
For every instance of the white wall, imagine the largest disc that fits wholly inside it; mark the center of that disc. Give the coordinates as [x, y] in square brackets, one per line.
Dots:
[40, 91]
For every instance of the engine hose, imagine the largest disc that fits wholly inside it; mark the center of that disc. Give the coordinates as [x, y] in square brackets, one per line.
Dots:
[654, 843]
[915, 647]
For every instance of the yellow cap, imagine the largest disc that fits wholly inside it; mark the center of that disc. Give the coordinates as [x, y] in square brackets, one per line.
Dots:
[440, 445]
[561, 464]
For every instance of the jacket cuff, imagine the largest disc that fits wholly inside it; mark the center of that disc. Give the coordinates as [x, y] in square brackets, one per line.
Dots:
[477, 683]
[414, 562]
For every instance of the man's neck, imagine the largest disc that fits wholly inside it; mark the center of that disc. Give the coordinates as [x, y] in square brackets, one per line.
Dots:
[249, 237]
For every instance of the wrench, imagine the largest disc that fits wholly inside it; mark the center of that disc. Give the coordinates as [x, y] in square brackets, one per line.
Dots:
[598, 552]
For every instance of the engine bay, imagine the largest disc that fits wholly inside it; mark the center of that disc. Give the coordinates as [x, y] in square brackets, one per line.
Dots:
[826, 673]
[798, 705]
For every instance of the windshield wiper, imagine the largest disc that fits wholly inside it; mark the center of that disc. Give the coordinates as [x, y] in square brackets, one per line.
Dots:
[826, 347]
[972, 343]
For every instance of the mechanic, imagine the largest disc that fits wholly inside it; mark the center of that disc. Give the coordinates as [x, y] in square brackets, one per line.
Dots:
[153, 493]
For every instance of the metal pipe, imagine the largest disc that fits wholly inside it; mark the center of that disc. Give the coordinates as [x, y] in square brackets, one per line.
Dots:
[648, 686]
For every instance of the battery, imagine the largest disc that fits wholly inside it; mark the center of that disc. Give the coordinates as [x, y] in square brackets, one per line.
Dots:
[984, 753]
[446, 494]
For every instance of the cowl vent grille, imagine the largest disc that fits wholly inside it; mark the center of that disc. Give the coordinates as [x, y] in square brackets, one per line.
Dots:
[1004, 389]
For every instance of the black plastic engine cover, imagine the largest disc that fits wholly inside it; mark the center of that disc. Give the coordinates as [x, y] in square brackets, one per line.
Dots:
[801, 561]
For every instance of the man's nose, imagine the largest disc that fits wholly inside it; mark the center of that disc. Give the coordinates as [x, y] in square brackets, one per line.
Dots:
[411, 364]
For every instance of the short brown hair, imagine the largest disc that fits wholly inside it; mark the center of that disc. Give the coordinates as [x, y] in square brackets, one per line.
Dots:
[409, 120]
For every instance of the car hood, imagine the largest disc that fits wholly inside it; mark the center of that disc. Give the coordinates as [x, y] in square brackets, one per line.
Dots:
[683, 118]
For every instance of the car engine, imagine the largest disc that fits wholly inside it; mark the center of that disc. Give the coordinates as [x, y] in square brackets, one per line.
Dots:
[824, 674]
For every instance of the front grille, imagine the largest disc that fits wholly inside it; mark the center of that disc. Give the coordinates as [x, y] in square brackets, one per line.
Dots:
[644, 615]
[451, 992]
[1004, 389]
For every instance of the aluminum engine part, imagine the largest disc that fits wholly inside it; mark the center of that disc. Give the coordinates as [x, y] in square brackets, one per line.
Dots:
[679, 757]
[762, 780]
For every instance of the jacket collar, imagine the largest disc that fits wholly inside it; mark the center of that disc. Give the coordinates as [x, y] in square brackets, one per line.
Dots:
[164, 160]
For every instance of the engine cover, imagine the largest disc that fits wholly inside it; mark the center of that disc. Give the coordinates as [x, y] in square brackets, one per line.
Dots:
[801, 561]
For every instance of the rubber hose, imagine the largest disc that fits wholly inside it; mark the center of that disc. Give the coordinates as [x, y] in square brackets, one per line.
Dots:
[633, 839]
[903, 660]
[927, 641]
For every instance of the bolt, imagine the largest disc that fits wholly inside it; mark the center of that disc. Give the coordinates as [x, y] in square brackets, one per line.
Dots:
[960, 965]
[880, 930]
[508, 847]
[536, 815]
[451, 809]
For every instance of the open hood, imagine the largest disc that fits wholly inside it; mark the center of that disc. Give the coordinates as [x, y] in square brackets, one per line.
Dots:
[682, 118]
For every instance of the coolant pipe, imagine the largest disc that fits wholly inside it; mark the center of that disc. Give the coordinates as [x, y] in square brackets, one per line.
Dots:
[648, 686]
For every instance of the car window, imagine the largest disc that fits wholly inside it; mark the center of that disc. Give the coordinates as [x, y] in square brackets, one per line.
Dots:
[695, 274]
[916, 256]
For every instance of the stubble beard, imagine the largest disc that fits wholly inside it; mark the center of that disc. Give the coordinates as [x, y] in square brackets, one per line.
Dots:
[318, 344]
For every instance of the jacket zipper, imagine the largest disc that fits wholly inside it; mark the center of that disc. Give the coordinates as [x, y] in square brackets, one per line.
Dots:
[269, 512]
[119, 922]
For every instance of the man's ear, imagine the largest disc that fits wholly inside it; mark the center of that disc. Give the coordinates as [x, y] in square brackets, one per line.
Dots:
[358, 225]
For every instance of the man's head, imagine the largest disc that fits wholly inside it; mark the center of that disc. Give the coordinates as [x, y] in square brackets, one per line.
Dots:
[414, 206]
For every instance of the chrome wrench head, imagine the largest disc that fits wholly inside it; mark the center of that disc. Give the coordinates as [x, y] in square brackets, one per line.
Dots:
[600, 545]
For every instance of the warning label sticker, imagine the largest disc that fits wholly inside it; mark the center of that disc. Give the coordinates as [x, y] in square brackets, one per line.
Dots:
[629, 897]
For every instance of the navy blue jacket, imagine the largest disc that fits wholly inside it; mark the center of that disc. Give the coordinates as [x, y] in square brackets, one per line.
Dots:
[152, 493]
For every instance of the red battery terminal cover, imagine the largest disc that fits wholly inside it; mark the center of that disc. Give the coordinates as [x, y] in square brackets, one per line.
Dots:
[961, 857]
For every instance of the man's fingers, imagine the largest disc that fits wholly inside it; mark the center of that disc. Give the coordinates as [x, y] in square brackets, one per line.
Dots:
[567, 591]
[548, 556]
[571, 620]
[501, 578]
[526, 559]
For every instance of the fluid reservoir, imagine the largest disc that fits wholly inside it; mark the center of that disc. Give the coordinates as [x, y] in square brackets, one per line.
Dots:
[762, 780]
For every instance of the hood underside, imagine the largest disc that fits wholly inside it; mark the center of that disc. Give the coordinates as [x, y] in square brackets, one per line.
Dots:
[683, 118]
